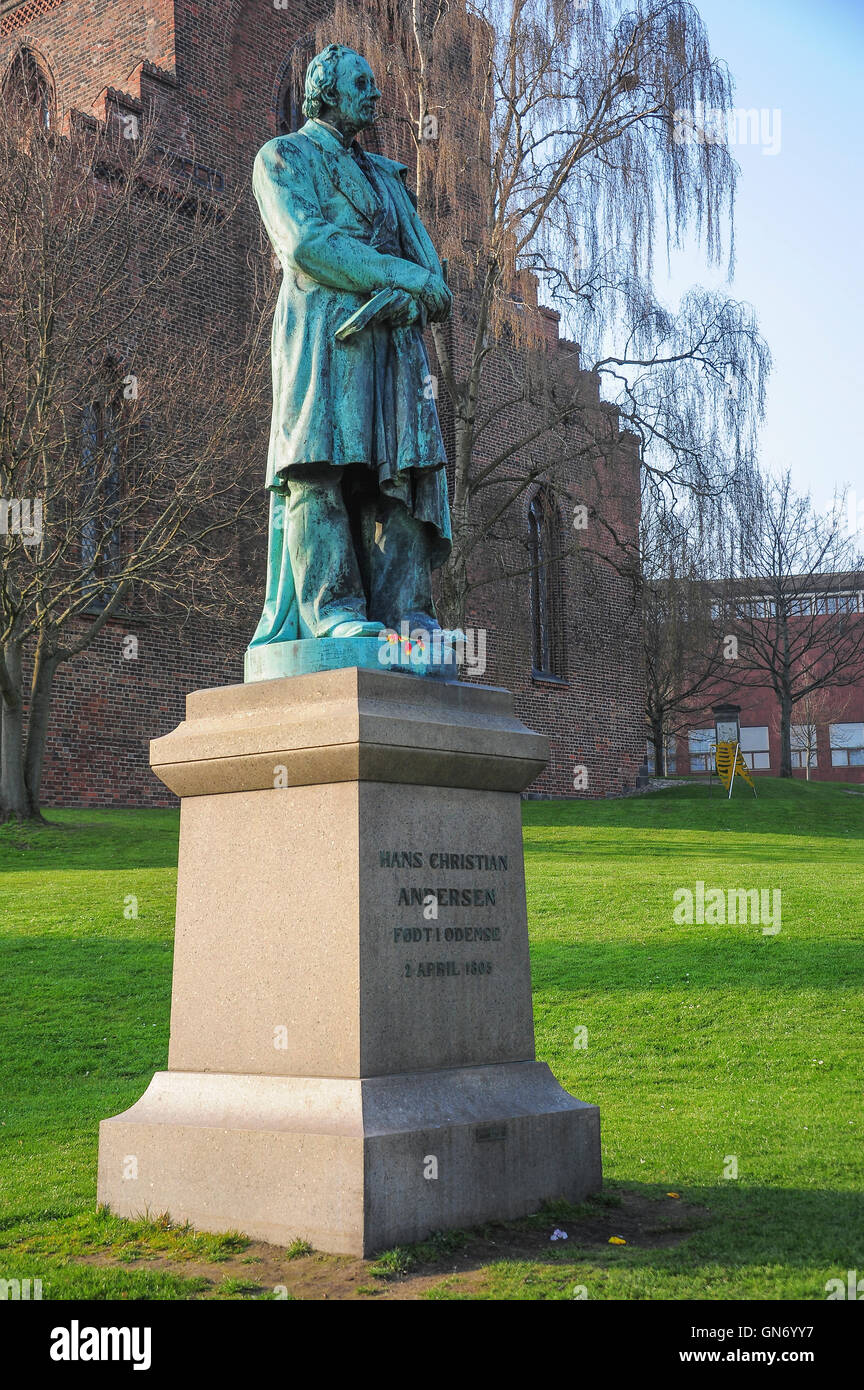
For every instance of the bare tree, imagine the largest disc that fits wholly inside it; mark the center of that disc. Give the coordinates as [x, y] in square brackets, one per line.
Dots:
[554, 145]
[124, 447]
[684, 647]
[819, 709]
[795, 577]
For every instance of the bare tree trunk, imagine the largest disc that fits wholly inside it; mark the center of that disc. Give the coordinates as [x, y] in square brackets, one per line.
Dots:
[454, 572]
[659, 747]
[14, 800]
[37, 726]
[786, 733]
[785, 697]
[454, 590]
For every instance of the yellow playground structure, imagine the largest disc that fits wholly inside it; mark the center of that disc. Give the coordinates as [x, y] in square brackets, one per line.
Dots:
[729, 762]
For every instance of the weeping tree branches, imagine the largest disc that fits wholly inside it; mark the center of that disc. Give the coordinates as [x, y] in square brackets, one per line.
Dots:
[553, 152]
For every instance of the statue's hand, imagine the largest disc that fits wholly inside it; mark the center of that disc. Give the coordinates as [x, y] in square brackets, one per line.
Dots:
[404, 310]
[437, 298]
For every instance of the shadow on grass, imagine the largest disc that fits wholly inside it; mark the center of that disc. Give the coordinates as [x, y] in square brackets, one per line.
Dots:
[112, 839]
[743, 1225]
[838, 848]
[810, 809]
[749, 962]
[734, 1226]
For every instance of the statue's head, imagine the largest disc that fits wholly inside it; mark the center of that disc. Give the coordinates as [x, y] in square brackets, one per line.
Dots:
[341, 87]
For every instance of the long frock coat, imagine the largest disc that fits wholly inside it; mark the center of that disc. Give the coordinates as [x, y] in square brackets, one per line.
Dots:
[341, 235]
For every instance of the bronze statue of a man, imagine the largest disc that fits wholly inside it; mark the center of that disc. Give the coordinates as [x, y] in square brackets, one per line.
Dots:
[358, 494]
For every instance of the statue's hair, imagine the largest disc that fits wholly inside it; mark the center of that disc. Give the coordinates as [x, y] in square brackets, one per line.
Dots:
[321, 78]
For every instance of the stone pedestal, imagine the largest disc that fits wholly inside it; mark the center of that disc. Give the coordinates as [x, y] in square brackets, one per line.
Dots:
[352, 1045]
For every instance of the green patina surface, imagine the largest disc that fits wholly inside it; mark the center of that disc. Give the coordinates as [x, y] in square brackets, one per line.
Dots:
[270, 662]
[358, 494]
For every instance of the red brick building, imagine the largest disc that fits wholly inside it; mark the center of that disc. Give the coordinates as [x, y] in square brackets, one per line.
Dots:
[561, 624]
[827, 726]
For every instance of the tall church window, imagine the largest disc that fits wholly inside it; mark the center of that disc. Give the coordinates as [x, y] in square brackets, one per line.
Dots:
[100, 503]
[545, 571]
[289, 114]
[31, 89]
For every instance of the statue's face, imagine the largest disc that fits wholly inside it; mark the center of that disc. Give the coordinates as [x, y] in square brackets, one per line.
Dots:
[357, 93]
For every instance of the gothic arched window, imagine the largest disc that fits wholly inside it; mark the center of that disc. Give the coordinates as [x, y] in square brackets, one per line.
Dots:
[100, 530]
[30, 89]
[289, 112]
[291, 115]
[543, 546]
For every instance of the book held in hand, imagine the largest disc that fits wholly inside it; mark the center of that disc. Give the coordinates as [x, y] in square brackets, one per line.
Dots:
[372, 311]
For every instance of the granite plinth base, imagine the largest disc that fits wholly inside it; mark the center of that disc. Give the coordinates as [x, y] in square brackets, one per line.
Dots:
[352, 1166]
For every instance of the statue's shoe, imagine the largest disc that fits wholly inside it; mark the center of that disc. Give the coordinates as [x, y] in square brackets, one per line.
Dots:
[446, 636]
[421, 622]
[355, 628]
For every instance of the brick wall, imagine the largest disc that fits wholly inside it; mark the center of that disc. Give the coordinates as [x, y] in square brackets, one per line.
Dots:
[128, 687]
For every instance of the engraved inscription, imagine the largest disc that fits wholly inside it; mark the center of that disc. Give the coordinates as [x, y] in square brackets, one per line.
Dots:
[478, 898]
[490, 1134]
[438, 969]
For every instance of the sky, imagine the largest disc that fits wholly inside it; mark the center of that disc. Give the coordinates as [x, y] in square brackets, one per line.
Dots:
[799, 239]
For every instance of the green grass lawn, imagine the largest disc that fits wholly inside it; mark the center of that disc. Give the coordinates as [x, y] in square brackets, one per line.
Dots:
[709, 1048]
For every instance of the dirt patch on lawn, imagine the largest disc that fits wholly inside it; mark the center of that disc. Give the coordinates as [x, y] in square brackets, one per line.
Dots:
[259, 1270]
